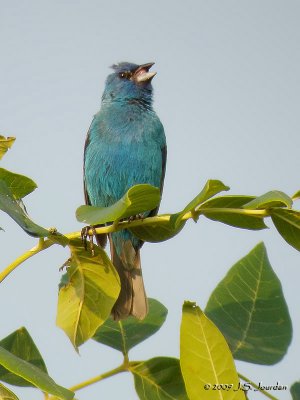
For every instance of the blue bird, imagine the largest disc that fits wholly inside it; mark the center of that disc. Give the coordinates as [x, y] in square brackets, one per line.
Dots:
[125, 146]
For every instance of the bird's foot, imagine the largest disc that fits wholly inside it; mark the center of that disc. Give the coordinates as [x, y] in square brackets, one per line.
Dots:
[136, 217]
[86, 237]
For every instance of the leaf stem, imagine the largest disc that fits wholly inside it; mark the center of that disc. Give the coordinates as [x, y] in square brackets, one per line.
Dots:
[124, 351]
[255, 213]
[42, 245]
[166, 218]
[45, 243]
[245, 379]
[98, 378]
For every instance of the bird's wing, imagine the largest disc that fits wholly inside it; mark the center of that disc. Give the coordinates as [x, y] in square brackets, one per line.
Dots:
[163, 167]
[163, 172]
[86, 196]
[101, 239]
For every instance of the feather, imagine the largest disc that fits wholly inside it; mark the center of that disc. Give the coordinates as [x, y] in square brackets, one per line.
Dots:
[125, 146]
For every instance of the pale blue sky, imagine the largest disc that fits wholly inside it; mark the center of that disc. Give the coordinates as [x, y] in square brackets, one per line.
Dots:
[228, 94]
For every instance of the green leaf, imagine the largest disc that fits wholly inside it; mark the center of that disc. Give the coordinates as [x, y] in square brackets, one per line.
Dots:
[5, 144]
[6, 394]
[230, 201]
[19, 185]
[138, 199]
[159, 378]
[228, 210]
[21, 345]
[211, 188]
[33, 374]
[205, 357]
[249, 308]
[274, 198]
[10, 206]
[295, 391]
[236, 218]
[287, 223]
[296, 196]
[158, 231]
[86, 301]
[16, 210]
[123, 335]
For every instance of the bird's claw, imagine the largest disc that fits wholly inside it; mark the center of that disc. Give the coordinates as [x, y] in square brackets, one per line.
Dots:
[136, 217]
[87, 236]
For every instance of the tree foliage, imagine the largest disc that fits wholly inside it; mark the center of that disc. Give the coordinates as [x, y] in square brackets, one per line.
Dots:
[246, 317]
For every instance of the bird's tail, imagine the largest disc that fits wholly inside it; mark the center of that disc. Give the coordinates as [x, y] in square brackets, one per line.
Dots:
[132, 299]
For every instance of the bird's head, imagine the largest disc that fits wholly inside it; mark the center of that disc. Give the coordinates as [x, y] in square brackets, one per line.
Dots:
[129, 82]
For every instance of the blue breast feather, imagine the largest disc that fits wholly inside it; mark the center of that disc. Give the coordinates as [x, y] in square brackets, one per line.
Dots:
[124, 148]
[120, 155]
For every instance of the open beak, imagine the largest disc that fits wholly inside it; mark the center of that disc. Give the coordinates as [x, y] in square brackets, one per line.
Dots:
[142, 74]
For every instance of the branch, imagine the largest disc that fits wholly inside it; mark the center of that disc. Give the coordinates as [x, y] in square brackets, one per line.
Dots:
[98, 378]
[43, 244]
[245, 379]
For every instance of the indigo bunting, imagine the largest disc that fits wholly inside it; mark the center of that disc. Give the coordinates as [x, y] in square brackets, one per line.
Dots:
[125, 146]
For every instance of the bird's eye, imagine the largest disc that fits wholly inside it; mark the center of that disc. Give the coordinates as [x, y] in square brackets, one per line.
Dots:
[125, 75]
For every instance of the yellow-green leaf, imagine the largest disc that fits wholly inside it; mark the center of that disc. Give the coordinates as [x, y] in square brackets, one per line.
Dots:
[211, 188]
[16, 211]
[159, 379]
[274, 198]
[157, 231]
[85, 302]
[123, 335]
[21, 344]
[33, 374]
[287, 222]
[19, 185]
[6, 394]
[5, 144]
[205, 358]
[229, 210]
[296, 196]
[137, 199]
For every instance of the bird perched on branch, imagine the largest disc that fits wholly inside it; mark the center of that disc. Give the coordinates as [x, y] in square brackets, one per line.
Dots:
[125, 146]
